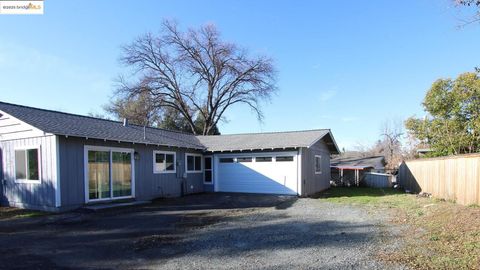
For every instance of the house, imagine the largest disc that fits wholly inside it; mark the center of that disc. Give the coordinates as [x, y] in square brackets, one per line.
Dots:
[349, 168]
[58, 161]
[423, 152]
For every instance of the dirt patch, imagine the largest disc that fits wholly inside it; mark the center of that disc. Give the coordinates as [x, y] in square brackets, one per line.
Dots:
[14, 259]
[433, 234]
[155, 241]
[197, 221]
[440, 235]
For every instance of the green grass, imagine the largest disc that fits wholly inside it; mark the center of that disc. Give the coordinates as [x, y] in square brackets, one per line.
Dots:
[11, 212]
[359, 195]
[439, 235]
[372, 197]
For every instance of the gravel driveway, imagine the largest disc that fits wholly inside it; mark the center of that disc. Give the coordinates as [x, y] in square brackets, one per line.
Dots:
[207, 231]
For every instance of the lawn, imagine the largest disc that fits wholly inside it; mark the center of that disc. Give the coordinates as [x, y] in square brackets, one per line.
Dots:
[11, 212]
[438, 235]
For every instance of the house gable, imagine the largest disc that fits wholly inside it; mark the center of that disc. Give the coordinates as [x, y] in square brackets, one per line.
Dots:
[12, 128]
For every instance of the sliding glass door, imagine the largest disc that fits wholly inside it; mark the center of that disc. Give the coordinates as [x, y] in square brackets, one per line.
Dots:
[98, 175]
[109, 173]
[121, 174]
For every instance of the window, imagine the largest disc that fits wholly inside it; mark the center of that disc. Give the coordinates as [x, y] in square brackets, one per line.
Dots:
[109, 173]
[207, 178]
[164, 162]
[194, 163]
[27, 165]
[244, 159]
[318, 164]
[263, 159]
[226, 160]
[284, 158]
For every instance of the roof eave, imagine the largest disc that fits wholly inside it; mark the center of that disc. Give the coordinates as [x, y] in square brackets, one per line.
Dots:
[287, 148]
[127, 141]
[337, 150]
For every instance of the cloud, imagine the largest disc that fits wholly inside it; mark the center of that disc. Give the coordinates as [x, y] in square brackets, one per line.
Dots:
[327, 95]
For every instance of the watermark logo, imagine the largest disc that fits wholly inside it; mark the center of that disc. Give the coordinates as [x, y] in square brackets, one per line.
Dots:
[21, 7]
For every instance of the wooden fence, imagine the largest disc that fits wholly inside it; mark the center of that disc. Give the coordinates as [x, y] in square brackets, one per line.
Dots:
[452, 178]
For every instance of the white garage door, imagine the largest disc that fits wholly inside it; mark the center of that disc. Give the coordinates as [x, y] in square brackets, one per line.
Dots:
[258, 173]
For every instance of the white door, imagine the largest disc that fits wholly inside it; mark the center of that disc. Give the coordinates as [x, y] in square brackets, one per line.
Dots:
[274, 173]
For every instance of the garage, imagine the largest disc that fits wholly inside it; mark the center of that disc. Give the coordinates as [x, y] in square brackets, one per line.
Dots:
[270, 173]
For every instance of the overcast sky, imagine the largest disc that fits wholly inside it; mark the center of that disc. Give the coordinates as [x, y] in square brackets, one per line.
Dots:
[343, 65]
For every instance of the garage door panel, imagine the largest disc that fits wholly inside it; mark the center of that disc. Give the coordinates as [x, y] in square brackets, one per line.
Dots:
[258, 177]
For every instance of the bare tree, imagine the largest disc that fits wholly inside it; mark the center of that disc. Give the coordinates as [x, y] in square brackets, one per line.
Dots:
[139, 109]
[197, 74]
[388, 145]
[392, 132]
[474, 8]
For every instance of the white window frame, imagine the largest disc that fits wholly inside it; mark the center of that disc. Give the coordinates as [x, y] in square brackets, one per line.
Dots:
[315, 164]
[87, 148]
[25, 148]
[155, 171]
[193, 155]
[211, 170]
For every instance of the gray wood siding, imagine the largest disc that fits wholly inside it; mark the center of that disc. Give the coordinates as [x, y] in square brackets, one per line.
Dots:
[148, 185]
[29, 195]
[311, 182]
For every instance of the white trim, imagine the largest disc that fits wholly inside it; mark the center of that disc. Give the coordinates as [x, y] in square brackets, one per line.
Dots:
[155, 152]
[39, 159]
[85, 173]
[299, 169]
[315, 164]
[108, 148]
[211, 170]
[261, 154]
[86, 148]
[186, 162]
[58, 191]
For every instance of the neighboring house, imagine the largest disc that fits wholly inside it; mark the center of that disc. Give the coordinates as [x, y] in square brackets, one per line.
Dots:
[350, 168]
[57, 161]
[422, 152]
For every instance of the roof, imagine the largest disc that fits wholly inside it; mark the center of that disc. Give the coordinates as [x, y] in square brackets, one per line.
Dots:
[352, 162]
[269, 140]
[424, 150]
[67, 124]
[61, 123]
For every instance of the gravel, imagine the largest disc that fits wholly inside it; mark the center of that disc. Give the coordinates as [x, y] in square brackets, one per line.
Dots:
[221, 231]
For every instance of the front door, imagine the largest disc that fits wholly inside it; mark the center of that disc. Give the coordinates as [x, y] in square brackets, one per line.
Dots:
[208, 171]
[109, 174]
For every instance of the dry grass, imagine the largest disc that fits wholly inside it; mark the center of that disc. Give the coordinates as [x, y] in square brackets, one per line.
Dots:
[439, 234]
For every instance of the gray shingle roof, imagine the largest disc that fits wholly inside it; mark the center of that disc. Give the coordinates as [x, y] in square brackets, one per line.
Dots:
[272, 140]
[358, 162]
[83, 126]
[67, 124]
